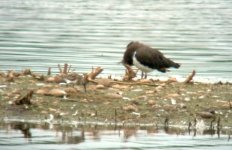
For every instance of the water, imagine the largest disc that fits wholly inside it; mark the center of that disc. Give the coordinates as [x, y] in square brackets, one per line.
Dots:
[44, 136]
[41, 34]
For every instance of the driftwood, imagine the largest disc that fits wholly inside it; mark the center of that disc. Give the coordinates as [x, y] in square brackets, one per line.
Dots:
[10, 76]
[38, 76]
[66, 69]
[129, 73]
[190, 77]
[90, 77]
[26, 72]
[49, 71]
[25, 99]
[94, 73]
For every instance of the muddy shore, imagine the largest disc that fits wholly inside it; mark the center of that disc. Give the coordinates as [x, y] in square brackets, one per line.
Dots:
[32, 96]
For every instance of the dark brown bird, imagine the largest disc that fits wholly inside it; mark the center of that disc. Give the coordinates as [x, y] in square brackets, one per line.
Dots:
[146, 58]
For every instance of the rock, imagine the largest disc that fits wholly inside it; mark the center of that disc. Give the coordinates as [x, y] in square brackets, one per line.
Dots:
[173, 95]
[50, 79]
[137, 90]
[201, 97]
[130, 107]
[100, 86]
[135, 113]
[126, 98]
[145, 81]
[43, 91]
[169, 107]
[114, 95]
[187, 99]
[150, 92]
[173, 101]
[151, 102]
[56, 79]
[182, 106]
[224, 104]
[172, 79]
[71, 90]
[57, 92]
[104, 82]
[120, 87]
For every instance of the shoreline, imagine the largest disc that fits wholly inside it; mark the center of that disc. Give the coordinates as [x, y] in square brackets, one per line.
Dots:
[112, 100]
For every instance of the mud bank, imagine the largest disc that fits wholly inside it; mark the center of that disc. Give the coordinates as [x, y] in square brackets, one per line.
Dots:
[29, 96]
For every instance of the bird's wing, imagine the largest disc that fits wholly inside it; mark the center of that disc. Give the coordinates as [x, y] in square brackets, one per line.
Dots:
[152, 58]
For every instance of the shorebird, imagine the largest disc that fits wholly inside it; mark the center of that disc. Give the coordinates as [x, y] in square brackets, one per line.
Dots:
[146, 58]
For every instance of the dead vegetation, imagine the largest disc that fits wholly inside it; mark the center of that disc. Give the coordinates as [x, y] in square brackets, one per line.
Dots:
[69, 95]
[25, 99]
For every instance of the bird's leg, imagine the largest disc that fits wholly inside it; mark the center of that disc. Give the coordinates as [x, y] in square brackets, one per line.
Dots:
[145, 75]
[142, 74]
[85, 81]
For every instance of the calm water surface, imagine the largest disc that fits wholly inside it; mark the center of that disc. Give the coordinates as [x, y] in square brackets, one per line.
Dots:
[38, 34]
[42, 34]
[18, 135]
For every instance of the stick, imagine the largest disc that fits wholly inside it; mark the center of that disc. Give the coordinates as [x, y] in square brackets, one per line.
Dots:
[129, 74]
[65, 68]
[115, 116]
[60, 68]
[25, 99]
[49, 71]
[69, 68]
[94, 73]
[190, 77]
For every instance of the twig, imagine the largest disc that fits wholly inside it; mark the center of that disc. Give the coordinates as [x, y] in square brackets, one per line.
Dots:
[94, 73]
[230, 104]
[70, 66]
[129, 73]
[190, 77]
[115, 116]
[60, 68]
[49, 71]
[65, 71]
[25, 99]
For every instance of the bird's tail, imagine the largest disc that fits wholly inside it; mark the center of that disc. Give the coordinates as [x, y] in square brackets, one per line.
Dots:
[175, 65]
[171, 63]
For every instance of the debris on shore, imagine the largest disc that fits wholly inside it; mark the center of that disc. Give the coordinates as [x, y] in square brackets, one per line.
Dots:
[87, 97]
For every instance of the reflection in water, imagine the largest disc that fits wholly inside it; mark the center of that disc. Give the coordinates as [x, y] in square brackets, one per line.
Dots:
[83, 134]
[69, 138]
[23, 127]
[68, 133]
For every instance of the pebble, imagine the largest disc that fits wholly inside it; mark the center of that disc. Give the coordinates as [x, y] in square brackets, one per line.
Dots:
[173, 101]
[187, 99]
[151, 102]
[137, 90]
[100, 86]
[201, 97]
[114, 95]
[57, 92]
[121, 87]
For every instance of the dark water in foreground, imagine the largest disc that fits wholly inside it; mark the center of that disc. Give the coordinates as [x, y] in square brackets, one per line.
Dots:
[18, 135]
[42, 34]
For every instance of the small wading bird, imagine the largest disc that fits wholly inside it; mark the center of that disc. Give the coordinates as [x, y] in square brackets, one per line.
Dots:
[146, 58]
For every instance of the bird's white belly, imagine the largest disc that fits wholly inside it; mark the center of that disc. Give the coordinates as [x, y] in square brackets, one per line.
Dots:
[141, 66]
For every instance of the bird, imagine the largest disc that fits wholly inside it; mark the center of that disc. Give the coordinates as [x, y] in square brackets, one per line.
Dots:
[146, 58]
[209, 114]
